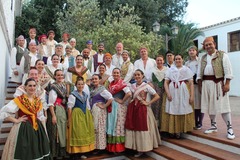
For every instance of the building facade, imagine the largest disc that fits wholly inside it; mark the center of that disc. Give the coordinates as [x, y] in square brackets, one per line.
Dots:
[227, 37]
[9, 9]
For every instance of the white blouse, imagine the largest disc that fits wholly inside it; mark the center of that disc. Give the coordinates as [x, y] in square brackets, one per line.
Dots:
[20, 90]
[72, 100]
[11, 108]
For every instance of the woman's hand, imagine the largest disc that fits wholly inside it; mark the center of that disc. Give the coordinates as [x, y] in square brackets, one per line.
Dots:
[100, 105]
[191, 100]
[24, 118]
[144, 102]
[68, 123]
[120, 101]
[54, 120]
[169, 97]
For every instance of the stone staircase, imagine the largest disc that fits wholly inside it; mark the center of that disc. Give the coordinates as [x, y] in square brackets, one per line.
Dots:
[194, 145]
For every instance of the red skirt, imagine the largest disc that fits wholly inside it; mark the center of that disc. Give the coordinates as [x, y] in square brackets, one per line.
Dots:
[136, 119]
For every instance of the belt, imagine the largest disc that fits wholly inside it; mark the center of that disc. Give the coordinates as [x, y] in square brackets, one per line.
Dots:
[216, 80]
[212, 78]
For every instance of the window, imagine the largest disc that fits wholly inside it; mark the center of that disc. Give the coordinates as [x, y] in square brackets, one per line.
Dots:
[215, 38]
[234, 41]
[195, 43]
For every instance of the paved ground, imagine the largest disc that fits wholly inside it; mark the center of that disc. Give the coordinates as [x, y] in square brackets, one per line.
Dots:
[235, 105]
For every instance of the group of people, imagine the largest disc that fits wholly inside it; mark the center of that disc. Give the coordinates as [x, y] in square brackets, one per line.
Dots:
[75, 102]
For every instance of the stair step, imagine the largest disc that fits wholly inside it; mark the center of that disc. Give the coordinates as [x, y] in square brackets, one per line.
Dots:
[11, 90]
[172, 154]
[220, 137]
[104, 155]
[12, 86]
[220, 143]
[203, 149]
[9, 95]
[6, 130]
[3, 141]
[7, 122]
[8, 98]
[144, 156]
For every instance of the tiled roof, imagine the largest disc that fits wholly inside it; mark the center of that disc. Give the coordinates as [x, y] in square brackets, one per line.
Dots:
[220, 23]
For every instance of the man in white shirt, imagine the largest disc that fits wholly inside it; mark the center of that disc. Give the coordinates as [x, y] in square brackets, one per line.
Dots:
[117, 59]
[192, 63]
[16, 56]
[98, 58]
[43, 49]
[73, 43]
[64, 43]
[145, 64]
[59, 51]
[87, 60]
[89, 44]
[127, 68]
[29, 59]
[214, 76]
[50, 41]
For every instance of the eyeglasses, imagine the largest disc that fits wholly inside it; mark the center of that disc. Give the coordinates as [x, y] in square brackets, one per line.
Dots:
[169, 55]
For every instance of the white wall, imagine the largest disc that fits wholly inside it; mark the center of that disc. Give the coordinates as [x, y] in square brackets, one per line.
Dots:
[222, 31]
[7, 26]
[3, 67]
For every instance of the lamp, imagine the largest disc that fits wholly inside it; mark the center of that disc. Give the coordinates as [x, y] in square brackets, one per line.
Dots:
[174, 29]
[156, 27]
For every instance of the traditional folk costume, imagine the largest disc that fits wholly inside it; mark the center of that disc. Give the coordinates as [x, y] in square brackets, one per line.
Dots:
[127, 71]
[57, 133]
[63, 62]
[97, 60]
[29, 40]
[72, 74]
[16, 56]
[26, 140]
[50, 69]
[52, 44]
[212, 71]
[100, 95]
[45, 51]
[81, 135]
[178, 115]
[28, 61]
[104, 81]
[75, 52]
[88, 62]
[108, 69]
[141, 128]
[116, 117]
[117, 60]
[40, 93]
[151, 63]
[70, 60]
[193, 66]
[44, 79]
[157, 80]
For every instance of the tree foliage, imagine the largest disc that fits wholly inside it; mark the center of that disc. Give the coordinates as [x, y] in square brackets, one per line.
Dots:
[40, 14]
[164, 11]
[184, 39]
[117, 26]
